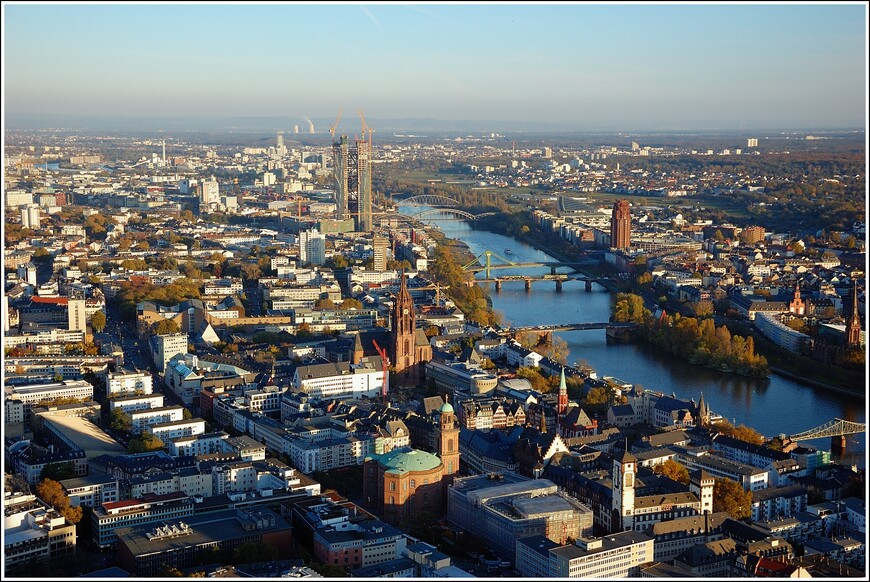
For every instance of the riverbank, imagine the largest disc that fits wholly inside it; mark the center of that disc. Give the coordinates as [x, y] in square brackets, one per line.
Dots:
[787, 366]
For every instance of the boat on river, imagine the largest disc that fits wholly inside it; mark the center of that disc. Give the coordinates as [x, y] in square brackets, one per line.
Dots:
[508, 252]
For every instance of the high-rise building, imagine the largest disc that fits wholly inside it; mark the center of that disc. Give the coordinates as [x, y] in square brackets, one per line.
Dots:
[30, 216]
[77, 318]
[209, 192]
[620, 225]
[379, 246]
[312, 247]
[352, 166]
[279, 140]
[752, 142]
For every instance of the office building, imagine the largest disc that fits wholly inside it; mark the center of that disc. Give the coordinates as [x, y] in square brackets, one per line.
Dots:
[209, 192]
[77, 316]
[620, 225]
[33, 532]
[30, 216]
[166, 347]
[312, 247]
[379, 247]
[352, 167]
[617, 555]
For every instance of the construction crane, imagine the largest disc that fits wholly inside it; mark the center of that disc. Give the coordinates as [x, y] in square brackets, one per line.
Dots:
[385, 362]
[366, 128]
[334, 125]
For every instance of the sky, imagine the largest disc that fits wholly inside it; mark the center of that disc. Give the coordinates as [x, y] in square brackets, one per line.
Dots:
[617, 66]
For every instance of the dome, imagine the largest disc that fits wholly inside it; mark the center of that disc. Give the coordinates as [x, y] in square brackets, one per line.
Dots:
[446, 407]
[407, 459]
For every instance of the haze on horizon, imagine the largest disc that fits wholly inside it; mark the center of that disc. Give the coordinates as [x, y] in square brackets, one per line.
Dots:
[574, 66]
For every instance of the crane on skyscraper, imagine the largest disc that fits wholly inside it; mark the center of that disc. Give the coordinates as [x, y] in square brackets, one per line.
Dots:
[334, 125]
[366, 128]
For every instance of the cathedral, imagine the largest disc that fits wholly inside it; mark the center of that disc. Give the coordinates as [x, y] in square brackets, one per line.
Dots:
[409, 347]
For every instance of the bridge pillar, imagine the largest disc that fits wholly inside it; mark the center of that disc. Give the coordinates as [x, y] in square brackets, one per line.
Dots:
[498, 284]
[588, 285]
[838, 445]
[528, 284]
[552, 270]
[558, 285]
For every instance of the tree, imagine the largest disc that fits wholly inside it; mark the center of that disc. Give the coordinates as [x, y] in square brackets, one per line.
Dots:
[255, 552]
[729, 496]
[796, 324]
[144, 443]
[52, 493]
[120, 420]
[351, 303]
[98, 321]
[673, 470]
[166, 326]
[324, 303]
[58, 471]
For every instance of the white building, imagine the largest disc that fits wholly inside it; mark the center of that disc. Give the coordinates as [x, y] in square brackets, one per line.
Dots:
[152, 416]
[169, 430]
[166, 347]
[312, 247]
[129, 404]
[617, 555]
[341, 379]
[118, 383]
[30, 216]
[209, 192]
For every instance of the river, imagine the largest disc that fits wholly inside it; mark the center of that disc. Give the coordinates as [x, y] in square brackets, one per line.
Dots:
[772, 406]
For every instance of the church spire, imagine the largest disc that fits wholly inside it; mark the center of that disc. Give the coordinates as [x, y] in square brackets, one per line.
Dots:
[562, 405]
[853, 330]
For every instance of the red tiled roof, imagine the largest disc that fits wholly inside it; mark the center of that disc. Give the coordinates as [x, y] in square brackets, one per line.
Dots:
[50, 300]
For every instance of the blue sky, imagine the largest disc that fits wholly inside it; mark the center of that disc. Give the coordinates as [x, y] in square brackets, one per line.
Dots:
[619, 66]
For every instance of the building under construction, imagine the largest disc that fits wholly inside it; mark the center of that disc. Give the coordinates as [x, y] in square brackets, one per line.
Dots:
[352, 165]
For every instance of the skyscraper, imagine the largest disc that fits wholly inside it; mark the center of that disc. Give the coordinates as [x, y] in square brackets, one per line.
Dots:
[312, 247]
[352, 166]
[379, 245]
[620, 225]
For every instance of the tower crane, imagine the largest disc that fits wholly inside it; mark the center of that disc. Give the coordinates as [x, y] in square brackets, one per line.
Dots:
[334, 125]
[366, 128]
[385, 362]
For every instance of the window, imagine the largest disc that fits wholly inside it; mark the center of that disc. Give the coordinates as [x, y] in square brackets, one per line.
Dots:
[392, 485]
[413, 484]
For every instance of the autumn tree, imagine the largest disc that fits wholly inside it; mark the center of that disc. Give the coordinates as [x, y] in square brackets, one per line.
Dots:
[672, 470]
[52, 493]
[98, 321]
[740, 432]
[729, 496]
[166, 326]
[324, 303]
[144, 443]
[535, 378]
[351, 303]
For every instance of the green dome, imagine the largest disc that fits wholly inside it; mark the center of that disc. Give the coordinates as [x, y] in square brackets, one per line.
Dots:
[406, 460]
[446, 407]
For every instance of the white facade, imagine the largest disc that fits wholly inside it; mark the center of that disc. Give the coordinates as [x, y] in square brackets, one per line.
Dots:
[30, 217]
[129, 383]
[132, 403]
[171, 430]
[167, 347]
[209, 192]
[152, 416]
[312, 247]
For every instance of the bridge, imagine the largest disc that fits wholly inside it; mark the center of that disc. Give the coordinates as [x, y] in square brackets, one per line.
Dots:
[837, 429]
[441, 204]
[575, 327]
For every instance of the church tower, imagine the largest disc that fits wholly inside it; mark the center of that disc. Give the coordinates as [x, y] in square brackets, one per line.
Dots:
[562, 403]
[404, 322]
[701, 484]
[853, 329]
[447, 440]
[797, 306]
[622, 499]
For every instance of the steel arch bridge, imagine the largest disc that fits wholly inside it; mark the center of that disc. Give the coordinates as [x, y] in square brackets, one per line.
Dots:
[454, 211]
[835, 428]
[428, 200]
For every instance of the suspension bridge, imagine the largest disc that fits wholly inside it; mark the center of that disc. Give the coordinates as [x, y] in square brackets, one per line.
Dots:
[836, 429]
